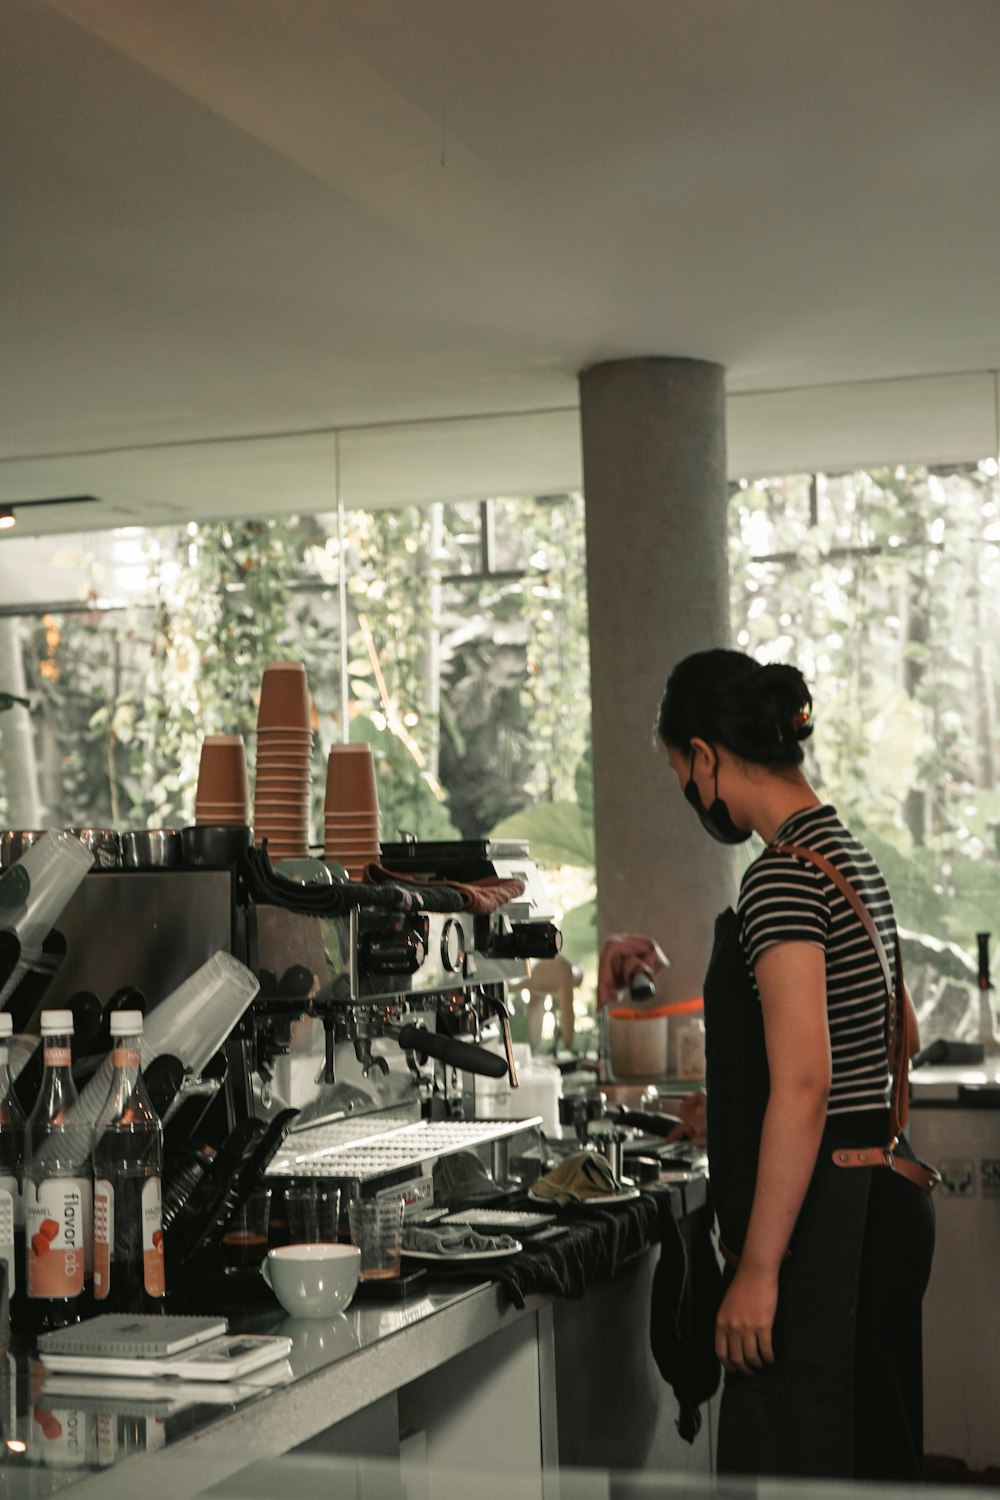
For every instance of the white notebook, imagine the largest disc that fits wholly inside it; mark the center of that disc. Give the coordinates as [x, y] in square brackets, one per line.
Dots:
[129, 1396]
[134, 1336]
[227, 1358]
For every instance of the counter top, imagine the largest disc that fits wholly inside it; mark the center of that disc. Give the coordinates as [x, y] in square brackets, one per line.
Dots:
[336, 1367]
[93, 1444]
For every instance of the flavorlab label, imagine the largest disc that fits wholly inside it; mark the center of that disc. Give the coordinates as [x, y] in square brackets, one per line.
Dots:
[56, 1230]
[152, 1238]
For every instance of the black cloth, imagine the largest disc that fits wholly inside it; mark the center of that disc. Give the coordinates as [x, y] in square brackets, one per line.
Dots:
[683, 1303]
[830, 1406]
[268, 886]
[595, 1242]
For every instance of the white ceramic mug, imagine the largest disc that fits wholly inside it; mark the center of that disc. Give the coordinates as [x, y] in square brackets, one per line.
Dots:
[313, 1281]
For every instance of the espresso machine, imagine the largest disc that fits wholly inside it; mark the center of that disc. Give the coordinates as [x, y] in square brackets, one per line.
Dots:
[356, 1063]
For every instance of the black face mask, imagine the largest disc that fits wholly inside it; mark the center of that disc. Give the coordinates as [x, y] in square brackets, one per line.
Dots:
[715, 819]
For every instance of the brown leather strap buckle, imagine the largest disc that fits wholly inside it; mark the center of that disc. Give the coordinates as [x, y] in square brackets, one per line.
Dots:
[916, 1172]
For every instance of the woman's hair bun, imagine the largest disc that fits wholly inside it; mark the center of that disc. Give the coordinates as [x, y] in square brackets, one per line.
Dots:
[762, 713]
[788, 702]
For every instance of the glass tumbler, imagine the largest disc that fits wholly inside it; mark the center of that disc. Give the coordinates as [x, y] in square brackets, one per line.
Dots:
[313, 1213]
[377, 1230]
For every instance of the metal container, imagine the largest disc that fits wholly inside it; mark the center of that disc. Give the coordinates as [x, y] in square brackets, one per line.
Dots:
[14, 843]
[103, 843]
[151, 849]
[611, 1145]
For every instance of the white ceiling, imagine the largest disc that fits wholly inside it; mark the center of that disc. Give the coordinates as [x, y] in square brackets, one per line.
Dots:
[244, 238]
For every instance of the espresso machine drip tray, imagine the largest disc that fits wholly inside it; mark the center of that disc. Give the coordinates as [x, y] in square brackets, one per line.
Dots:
[327, 1150]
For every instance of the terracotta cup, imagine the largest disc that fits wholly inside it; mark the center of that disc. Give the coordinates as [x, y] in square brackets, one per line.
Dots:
[350, 781]
[352, 856]
[222, 770]
[207, 816]
[284, 697]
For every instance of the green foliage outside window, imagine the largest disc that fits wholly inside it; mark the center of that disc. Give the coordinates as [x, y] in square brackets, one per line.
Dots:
[468, 672]
[885, 588]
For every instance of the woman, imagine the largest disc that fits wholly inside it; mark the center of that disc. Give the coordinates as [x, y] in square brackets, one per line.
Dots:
[819, 1326]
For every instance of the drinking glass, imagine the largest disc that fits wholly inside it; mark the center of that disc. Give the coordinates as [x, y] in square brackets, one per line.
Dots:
[313, 1213]
[244, 1244]
[377, 1230]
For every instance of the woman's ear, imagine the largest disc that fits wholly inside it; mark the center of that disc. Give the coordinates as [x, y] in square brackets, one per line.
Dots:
[704, 755]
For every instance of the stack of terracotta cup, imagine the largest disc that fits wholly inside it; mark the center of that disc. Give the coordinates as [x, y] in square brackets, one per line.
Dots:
[284, 747]
[223, 796]
[350, 809]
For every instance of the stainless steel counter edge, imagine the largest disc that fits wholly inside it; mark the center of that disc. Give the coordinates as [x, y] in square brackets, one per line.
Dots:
[431, 1331]
[340, 1366]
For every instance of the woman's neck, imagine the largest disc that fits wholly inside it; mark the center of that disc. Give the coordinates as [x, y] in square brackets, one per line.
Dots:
[778, 798]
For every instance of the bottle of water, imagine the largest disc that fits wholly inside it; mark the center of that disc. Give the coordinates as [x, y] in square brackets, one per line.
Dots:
[128, 1166]
[11, 1173]
[58, 1186]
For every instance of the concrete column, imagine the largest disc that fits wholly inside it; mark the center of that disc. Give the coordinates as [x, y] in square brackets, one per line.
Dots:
[654, 465]
[24, 808]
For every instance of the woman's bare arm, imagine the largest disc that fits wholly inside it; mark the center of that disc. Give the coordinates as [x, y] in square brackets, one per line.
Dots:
[791, 979]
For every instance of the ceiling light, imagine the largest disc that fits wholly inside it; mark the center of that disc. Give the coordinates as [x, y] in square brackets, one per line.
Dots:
[7, 518]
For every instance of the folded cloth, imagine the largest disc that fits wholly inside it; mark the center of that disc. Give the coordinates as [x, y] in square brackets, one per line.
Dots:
[453, 1239]
[583, 1175]
[478, 897]
[594, 1242]
[685, 1296]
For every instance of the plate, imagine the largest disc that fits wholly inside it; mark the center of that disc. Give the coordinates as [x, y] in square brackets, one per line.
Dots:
[606, 1200]
[443, 1257]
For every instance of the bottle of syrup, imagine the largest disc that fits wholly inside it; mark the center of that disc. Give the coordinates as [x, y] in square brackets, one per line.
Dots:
[128, 1170]
[57, 1186]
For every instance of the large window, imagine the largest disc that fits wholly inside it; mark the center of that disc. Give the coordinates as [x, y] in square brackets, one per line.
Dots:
[465, 660]
[885, 588]
[465, 665]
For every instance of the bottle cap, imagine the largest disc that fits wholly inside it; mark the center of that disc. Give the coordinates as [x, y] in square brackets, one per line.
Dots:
[6, 1023]
[126, 1023]
[57, 1022]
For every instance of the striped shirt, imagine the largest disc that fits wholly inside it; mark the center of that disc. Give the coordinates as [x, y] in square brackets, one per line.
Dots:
[783, 899]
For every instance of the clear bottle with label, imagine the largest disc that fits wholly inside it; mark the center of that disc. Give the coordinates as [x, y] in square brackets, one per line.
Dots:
[11, 1174]
[128, 1167]
[58, 1186]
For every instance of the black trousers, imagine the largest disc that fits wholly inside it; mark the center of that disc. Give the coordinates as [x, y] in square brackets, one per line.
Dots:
[888, 1346]
[844, 1398]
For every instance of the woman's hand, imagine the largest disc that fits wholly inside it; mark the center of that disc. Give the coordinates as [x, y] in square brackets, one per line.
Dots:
[691, 1110]
[744, 1322]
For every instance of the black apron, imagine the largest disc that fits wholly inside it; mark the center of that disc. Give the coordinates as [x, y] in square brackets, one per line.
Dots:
[795, 1417]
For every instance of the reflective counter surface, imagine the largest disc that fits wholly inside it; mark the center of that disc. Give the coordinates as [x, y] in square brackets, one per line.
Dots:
[86, 1435]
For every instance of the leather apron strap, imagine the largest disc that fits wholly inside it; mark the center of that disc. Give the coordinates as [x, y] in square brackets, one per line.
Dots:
[896, 1032]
